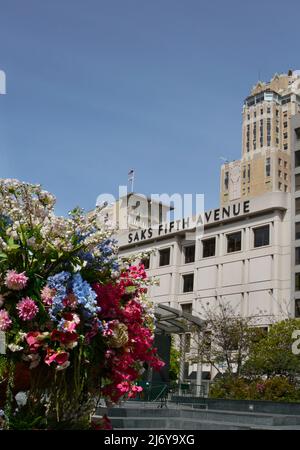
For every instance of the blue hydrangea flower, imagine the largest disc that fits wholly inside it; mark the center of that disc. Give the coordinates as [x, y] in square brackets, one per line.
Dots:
[86, 297]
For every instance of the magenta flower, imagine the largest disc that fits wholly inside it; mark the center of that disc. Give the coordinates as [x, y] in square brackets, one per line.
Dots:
[27, 309]
[5, 321]
[15, 281]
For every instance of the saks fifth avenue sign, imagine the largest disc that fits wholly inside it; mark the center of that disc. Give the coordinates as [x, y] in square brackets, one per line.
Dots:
[190, 223]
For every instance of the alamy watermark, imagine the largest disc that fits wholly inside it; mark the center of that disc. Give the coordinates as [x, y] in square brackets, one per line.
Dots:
[153, 214]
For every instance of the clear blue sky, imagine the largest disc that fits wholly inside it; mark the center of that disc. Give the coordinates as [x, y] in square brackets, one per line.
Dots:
[96, 87]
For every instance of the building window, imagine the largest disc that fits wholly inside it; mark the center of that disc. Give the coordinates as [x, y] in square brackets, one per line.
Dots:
[297, 205]
[285, 188]
[261, 111]
[279, 186]
[297, 230]
[285, 124]
[279, 161]
[187, 308]
[297, 255]
[187, 342]
[279, 173]
[248, 172]
[297, 307]
[226, 180]
[268, 110]
[188, 282]
[234, 242]
[297, 182]
[268, 167]
[285, 164]
[146, 262]
[209, 247]
[285, 146]
[164, 257]
[297, 281]
[189, 254]
[297, 158]
[261, 236]
[285, 135]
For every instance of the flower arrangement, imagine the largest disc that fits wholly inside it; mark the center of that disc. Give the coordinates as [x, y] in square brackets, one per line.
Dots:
[73, 315]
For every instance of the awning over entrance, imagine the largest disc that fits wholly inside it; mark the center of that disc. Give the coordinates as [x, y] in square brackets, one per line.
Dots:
[174, 321]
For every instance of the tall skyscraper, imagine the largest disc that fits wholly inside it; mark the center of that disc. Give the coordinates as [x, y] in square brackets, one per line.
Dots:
[265, 165]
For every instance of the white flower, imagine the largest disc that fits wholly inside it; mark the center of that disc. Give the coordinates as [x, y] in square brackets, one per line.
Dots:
[14, 347]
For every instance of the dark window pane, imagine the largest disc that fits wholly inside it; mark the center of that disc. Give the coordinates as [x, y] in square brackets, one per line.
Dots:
[297, 158]
[187, 307]
[188, 282]
[261, 236]
[297, 255]
[189, 254]
[164, 257]
[297, 182]
[146, 262]
[209, 247]
[297, 230]
[297, 205]
[297, 281]
[297, 307]
[234, 242]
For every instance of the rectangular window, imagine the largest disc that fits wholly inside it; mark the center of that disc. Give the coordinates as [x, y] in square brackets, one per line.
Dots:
[209, 247]
[146, 262]
[297, 230]
[164, 257]
[285, 135]
[234, 242]
[297, 158]
[285, 146]
[297, 307]
[297, 205]
[268, 167]
[279, 173]
[261, 236]
[189, 254]
[297, 255]
[226, 180]
[187, 307]
[285, 124]
[297, 281]
[188, 282]
[297, 182]
[248, 172]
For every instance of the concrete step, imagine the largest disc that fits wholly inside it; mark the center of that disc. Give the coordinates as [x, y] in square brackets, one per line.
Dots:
[151, 423]
[233, 417]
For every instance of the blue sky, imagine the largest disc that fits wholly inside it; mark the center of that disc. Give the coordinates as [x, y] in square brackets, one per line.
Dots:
[95, 88]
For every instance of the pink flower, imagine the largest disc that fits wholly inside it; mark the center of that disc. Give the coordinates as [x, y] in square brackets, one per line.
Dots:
[15, 281]
[33, 341]
[27, 309]
[47, 295]
[5, 321]
[59, 357]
